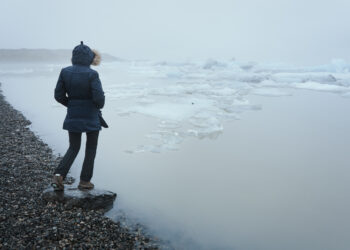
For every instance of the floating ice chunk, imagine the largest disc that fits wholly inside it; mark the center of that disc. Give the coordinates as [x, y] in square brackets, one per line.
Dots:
[247, 66]
[211, 63]
[170, 111]
[169, 124]
[148, 71]
[172, 63]
[119, 91]
[321, 87]
[253, 78]
[177, 109]
[193, 88]
[168, 139]
[304, 77]
[343, 79]
[329, 78]
[273, 84]
[204, 120]
[336, 65]
[228, 116]
[240, 105]
[173, 90]
[287, 77]
[206, 126]
[174, 75]
[274, 68]
[166, 136]
[145, 148]
[223, 91]
[211, 133]
[269, 92]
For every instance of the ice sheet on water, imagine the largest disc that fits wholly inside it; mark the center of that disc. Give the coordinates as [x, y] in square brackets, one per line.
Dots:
[145, 148]
[206, 125]
[194, 99]
[211, 64]
[178, 109]
[321, 87]
[336, 66]
[164, 140]
[304, 77]
[273, 84]
[168, 124]
[168, 138]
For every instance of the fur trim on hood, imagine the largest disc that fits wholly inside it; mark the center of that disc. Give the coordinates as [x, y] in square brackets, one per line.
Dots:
[97, 58]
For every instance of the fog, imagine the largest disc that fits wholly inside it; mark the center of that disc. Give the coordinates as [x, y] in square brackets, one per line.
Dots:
[213, 154]
[229, 124]
[292, 31]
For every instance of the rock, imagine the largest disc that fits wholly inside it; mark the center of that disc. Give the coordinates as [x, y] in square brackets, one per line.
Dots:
[87, 199]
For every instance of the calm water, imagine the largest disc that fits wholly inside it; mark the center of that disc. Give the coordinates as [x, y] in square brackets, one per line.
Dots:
[275, 179]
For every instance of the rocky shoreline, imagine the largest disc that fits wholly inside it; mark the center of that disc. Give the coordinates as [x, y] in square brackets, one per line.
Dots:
[26, 221]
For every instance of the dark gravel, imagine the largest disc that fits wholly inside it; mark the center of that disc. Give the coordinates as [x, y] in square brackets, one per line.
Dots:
[26, 222]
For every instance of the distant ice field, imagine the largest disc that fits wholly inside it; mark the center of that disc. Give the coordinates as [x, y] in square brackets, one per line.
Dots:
[195, 98]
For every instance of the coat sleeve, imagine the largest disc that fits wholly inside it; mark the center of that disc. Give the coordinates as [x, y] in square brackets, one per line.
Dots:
[60, 91]
[98, 96]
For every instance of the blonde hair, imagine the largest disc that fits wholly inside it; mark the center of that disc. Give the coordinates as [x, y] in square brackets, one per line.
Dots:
[97, 58]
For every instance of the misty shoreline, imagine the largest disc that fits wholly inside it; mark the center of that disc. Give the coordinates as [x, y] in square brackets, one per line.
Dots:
[44, 56]
[26, 169]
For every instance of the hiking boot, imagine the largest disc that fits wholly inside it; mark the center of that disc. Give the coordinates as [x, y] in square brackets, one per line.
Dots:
[85, 185]
[57, 182]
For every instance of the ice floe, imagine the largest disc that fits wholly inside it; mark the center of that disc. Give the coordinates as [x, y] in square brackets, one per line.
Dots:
[320, 87]
[195, 98]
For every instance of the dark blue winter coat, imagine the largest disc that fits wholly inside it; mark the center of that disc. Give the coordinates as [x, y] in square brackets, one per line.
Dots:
[79, 89]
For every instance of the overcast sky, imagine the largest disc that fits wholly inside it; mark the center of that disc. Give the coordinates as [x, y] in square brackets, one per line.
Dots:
[297, 31]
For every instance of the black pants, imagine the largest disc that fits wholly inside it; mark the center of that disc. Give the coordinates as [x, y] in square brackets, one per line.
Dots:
[73, 150]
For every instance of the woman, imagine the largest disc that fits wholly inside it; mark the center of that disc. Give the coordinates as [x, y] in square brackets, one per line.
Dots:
[79, 89]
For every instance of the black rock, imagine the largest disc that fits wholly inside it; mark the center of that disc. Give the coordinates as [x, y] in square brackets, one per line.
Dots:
[86, 199]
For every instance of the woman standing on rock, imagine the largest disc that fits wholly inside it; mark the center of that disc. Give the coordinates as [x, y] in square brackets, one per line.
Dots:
[79, 89]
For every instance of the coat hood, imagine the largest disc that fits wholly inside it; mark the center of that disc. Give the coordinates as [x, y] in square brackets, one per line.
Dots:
[82, 55]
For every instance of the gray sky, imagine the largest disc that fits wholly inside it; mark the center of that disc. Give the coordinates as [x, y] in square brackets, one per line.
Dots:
[297, 31]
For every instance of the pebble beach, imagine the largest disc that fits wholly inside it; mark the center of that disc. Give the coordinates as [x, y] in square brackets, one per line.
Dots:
[26, 221]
